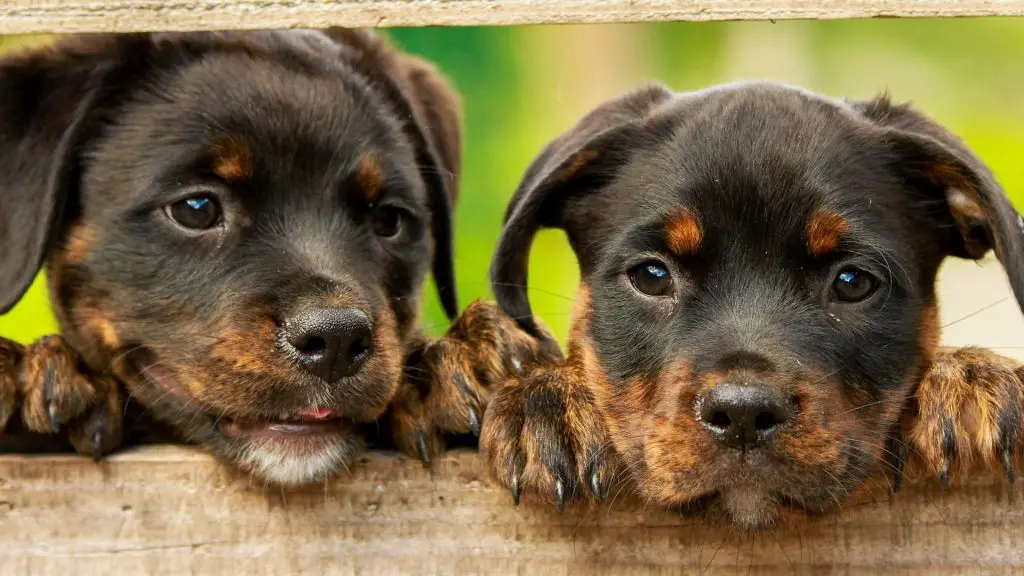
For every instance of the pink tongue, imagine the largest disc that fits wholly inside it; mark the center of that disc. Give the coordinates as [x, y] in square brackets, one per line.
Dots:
[316, 414]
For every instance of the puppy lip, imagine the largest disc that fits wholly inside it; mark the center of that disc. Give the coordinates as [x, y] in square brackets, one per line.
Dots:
[307, 422]
[252, 427]
[311, 421]
[317, 414]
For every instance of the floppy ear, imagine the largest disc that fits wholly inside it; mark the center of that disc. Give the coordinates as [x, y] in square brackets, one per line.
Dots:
[435, 113]
[430, 111]
[581, 160]
[45, 101]
[957, 191]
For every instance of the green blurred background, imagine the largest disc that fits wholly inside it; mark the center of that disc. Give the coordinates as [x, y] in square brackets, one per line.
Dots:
[522, 86]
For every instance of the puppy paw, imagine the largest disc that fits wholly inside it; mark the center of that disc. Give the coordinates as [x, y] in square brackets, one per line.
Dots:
[10, 359]
[542, 435]
[969, 409]
[448, 381]
[46, 384]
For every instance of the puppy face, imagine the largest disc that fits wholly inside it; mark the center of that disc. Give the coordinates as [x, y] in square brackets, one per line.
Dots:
[237, 225]
[759, 267]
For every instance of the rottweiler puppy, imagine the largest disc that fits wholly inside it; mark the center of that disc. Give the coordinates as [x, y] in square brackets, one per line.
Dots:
[756, 326]
[235, 229]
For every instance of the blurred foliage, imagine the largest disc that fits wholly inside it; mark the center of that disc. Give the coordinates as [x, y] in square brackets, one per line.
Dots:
[521, 86]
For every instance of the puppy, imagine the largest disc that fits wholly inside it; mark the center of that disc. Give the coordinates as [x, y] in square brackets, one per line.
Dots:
[757, 313]
[235, 229]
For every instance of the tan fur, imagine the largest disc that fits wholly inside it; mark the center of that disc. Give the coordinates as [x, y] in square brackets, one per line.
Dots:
[79, 241]
[824, 231]
[683, 233]
[97, 322]
[232, 158]
[369, 176]
[579, 161]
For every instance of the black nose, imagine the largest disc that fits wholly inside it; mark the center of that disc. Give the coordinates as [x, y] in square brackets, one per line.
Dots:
[331, 343]
[743, 416]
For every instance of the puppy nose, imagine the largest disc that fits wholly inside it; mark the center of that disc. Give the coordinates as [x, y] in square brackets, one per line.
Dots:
[331, 343]
[744, 416]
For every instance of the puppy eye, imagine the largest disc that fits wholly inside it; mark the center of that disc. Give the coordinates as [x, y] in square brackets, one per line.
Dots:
[652, 279]
[387, 221]
[195, 212]
[854, 285]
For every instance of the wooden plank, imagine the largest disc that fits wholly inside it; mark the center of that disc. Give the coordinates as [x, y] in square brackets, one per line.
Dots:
[62, 16]
[165, 510]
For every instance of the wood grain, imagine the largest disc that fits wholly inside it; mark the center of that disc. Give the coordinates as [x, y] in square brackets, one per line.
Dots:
[165, 510]
[62, 16]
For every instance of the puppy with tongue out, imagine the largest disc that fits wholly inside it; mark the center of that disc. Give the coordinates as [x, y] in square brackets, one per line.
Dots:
[236, 229]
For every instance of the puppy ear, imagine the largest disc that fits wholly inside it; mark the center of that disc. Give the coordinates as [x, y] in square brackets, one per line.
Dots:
[580, 161]
[971, 212]
[45, 101]
[429, 109]
[435, 113]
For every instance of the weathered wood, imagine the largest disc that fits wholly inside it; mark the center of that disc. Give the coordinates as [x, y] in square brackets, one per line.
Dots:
[62, 16]
[165, 510]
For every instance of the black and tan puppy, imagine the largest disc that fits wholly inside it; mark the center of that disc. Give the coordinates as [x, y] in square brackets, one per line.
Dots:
[756, 326]
[236, 228]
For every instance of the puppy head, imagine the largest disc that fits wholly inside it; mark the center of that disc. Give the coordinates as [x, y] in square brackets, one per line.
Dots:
[759, 266]
[238, 225]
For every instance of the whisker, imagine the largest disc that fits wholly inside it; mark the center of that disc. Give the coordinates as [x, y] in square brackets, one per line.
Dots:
[976, 312]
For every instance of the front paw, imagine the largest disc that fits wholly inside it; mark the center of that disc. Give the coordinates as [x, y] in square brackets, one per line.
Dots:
[969, 409]
[542, 435]
[47, 385]
[449, 381]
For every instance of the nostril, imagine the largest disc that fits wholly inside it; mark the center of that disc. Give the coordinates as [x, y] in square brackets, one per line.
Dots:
[766, 420]
[310, 345]
[720, 419]
[360, 347]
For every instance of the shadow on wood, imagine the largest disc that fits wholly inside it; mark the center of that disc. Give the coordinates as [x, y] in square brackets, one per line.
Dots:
[166, 510]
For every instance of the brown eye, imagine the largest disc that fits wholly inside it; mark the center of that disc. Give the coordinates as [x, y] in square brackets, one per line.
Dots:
[195, 213]
[387, 221]
[652, 279]
[854, 285]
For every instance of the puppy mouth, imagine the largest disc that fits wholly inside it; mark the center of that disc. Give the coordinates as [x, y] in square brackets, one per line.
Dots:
[307, 423]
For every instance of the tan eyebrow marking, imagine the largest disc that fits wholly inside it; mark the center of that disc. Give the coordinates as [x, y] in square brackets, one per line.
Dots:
[683, 233]
[232, 158]
[824, 231]
[369, 175]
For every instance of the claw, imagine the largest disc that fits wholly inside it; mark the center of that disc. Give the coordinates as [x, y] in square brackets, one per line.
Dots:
[97, 446]
[897, 457]
[595, 485]
[1008, 464]
[949, 450]
[421, 445]
[460, 381]
[560, 493]
[514, 487]
[51, 406]
[1007, 439]
[474, 423]
[54, 417]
